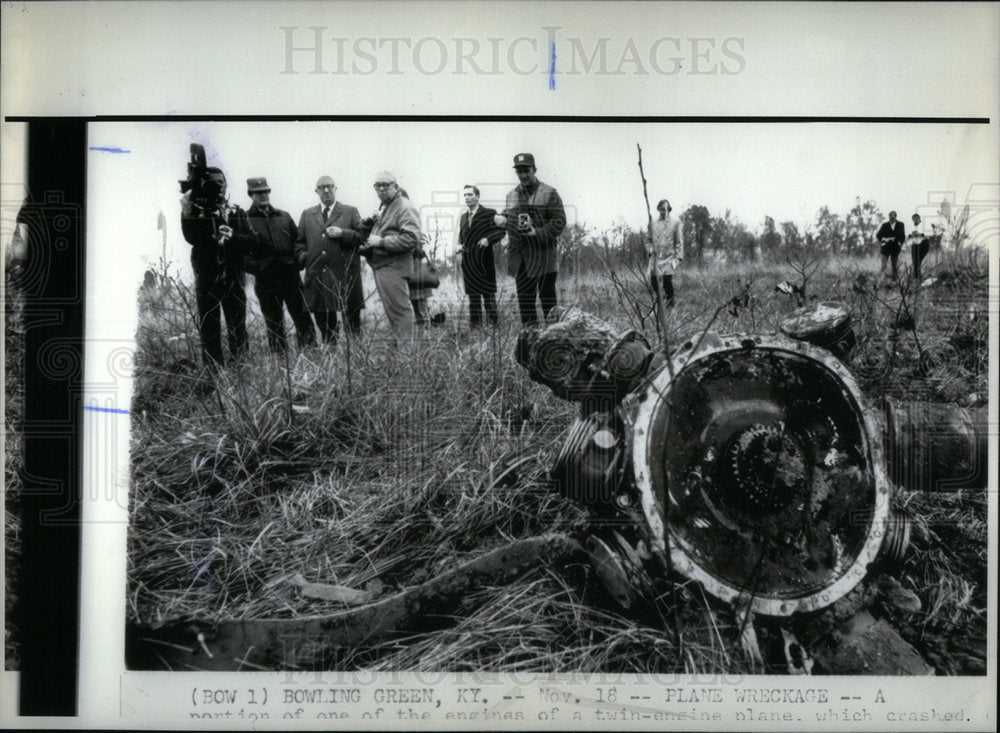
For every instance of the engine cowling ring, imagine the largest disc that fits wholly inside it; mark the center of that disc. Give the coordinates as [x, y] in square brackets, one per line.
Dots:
[705, 423]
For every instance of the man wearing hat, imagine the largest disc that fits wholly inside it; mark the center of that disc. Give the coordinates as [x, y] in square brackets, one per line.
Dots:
[220, 236]
[327, 246]
[275, 268]
[534, 218]
[394, 236]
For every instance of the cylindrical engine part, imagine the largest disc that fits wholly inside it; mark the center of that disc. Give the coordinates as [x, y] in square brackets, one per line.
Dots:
[936, 447]
[587, 465]
[582, 358]
[826, 324]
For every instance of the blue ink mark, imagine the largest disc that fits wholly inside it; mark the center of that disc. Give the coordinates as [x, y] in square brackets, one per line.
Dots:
[116, 410]
[552, 70]
[112, 150]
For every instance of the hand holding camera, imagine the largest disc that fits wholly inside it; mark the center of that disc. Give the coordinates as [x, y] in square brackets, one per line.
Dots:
[333, 232]
[524, 225]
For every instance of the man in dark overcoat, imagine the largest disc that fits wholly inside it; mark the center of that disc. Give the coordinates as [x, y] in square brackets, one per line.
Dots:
[327, 246]
[476, 236]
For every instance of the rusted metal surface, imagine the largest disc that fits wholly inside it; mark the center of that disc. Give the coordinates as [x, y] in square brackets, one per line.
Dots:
[758, 465]
[936, 447]
[826, 324]
[580, 357]
[312, 642]
[863, 645]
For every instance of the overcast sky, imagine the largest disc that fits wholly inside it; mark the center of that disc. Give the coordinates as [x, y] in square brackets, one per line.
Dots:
[786, 171]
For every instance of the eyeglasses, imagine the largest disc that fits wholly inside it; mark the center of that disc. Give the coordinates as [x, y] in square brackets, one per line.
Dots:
[325, 188]
[382, 185]
[255, 193]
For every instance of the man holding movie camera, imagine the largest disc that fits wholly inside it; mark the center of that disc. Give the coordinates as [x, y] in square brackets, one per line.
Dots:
[220, 236]
[534, 218]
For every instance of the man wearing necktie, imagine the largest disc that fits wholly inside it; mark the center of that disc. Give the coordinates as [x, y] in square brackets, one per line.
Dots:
[327, 246]
[476, 236]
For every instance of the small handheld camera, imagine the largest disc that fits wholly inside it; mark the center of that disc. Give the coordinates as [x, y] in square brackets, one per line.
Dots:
[524, 222]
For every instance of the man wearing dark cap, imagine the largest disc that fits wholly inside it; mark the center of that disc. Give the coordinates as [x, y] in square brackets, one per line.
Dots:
[273, 263]
[890, 236]
[220, 237]
[327, 246]
[394, 237]
[534, 218]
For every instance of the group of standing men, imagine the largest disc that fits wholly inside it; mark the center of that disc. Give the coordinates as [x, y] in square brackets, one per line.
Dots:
[892, 234]
[329, 242]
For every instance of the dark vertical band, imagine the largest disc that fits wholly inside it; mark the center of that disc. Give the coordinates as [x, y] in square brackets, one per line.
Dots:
[48, 610]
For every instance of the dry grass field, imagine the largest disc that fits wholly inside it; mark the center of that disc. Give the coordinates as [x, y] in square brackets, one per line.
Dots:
[377, 468]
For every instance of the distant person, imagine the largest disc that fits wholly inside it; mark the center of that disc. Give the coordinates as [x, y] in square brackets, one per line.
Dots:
[920, 245]
[476, 236]
[275, 268]
[534, 218]
[395, 235]
[891, 236]
[329, 235]
[666, 253]
[419, 295]
[220, 237]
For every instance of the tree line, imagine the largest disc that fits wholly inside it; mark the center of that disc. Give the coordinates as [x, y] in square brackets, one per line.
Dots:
[709, 239]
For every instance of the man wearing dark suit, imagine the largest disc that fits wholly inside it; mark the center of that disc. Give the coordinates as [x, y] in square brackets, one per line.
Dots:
[275, 269]
[327, 246]
[891, 236]
[476, 236]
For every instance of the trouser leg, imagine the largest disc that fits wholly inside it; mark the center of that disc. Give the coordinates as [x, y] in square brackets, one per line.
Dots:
[295, 301]
[352, 321]
[527, 287]
[547, 292]
[475, 309]
[209, 322]
[274, 315]
[490, 301]
[234, 306]
[327, 322]
[668, 290]
[394, 292]
[420, 311]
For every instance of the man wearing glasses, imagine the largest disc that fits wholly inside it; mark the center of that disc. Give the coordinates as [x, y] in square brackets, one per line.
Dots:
[395, 235]
[275, 268]
[329, 235]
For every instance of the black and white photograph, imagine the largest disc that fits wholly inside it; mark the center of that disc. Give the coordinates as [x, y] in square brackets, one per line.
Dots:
[589, 437]
[627, 371]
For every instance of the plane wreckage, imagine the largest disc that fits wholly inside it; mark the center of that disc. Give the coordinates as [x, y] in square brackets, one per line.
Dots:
[750, 464]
